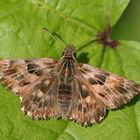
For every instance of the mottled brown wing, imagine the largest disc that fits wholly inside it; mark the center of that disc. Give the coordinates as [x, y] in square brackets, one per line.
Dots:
[17, 75]
[97, 91]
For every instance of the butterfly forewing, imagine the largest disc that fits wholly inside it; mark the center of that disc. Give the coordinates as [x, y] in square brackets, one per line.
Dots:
[111, 89]
[19, 74]
[50, 88]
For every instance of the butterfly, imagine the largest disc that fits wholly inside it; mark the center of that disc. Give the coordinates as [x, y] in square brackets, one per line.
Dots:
[65, 88]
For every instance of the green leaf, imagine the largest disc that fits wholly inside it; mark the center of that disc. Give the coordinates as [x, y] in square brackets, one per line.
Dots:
[22, 36]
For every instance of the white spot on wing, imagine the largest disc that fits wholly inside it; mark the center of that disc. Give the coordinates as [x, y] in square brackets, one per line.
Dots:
[1, 74]
[47, 82]
[22, 109]
[29, 113]
[39, 93]
[20, 98]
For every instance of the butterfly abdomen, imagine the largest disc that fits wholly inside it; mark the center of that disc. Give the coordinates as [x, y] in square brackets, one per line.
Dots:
[64, 97]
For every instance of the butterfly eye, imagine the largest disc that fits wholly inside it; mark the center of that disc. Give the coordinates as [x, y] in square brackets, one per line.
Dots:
[74, 54]
[63, 53]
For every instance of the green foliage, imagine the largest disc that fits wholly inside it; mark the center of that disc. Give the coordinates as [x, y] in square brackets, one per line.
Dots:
[22, 36]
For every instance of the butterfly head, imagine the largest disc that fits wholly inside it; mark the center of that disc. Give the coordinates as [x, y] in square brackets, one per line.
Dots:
[69, 52]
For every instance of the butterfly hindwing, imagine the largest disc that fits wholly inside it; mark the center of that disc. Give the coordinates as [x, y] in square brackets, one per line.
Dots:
[41, 101]
[85, 106]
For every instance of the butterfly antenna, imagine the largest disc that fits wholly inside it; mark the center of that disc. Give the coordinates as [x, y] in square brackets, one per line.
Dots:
[62, 42]
[87, 43]
[45, 29]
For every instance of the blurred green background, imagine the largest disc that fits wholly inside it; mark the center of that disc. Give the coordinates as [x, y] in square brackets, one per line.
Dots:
[128, 26]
